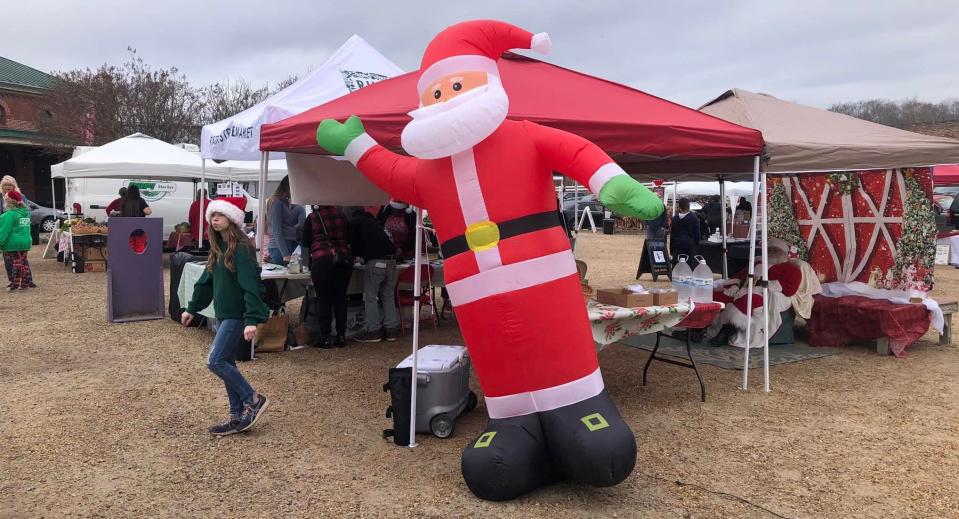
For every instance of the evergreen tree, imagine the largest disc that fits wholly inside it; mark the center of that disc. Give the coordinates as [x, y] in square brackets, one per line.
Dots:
[917, 246]
[782, 220]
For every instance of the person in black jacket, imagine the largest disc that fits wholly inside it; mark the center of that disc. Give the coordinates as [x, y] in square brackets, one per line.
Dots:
[371, 245]
[684, 233]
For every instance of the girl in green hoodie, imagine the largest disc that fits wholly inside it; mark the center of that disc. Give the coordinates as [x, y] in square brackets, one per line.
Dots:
[15, 240]
[232, 282]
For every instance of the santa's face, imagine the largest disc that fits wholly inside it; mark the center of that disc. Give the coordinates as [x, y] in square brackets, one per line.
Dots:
[458, 112]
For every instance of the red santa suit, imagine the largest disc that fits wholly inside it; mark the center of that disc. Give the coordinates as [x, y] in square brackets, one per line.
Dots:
[518, 300]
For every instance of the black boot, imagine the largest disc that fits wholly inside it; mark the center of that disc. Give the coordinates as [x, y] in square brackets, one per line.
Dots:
[589, 441]
[508, 460]
[722, 338]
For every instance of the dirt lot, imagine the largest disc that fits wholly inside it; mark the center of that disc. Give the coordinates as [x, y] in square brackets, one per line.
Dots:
[109, 420]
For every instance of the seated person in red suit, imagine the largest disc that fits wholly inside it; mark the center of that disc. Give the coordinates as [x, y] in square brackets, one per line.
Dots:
[792, 284]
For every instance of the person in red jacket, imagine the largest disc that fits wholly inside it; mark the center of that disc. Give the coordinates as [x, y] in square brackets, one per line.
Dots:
[198, 225]
[114, 208]
[510, 274]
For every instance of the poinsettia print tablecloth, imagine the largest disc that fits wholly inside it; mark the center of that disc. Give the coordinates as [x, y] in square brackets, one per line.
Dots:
[614, 323]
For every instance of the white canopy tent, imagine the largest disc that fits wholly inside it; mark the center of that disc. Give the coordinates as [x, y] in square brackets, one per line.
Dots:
[354, 65]
[135, 156]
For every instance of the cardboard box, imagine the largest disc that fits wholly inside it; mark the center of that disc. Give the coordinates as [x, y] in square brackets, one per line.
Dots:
[665, 296]
[95, 254]
[740, 230]
[624, 298]
[95, 266]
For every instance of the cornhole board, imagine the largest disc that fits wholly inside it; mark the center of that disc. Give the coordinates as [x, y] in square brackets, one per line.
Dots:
[135, 273]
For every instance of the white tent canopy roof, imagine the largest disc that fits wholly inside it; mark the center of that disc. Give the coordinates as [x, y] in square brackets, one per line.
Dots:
[354, 65]
[249, 170]
[137, 156]
[709, 188]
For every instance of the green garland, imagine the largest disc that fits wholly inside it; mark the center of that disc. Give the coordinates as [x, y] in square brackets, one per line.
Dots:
[844, 182]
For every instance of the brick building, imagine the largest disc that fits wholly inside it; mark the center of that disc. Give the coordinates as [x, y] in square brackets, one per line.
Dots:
[26, 152]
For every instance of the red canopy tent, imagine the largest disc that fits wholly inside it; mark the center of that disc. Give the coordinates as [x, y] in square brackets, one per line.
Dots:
[945, 175]
[642, 132]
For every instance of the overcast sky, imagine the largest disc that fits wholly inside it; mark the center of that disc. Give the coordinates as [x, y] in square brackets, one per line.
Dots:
[812, 51]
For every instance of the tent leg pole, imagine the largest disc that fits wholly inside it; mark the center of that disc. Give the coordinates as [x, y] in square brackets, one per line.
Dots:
[202, 216]
[418, 252]
[752, 273]
[261, 210]
[765, 246]
[722, 216]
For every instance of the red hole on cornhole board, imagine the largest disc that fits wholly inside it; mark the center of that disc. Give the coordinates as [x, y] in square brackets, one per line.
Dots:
[138, 241]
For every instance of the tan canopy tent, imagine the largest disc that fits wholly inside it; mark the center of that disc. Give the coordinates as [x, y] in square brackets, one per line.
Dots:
[802, 139]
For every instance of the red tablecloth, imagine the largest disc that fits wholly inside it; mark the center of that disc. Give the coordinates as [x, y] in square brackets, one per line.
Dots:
[838, 321]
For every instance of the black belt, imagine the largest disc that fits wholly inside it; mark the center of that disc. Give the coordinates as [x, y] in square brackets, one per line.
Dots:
[507, 229]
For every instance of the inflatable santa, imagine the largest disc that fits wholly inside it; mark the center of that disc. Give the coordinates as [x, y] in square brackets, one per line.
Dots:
[487, 184]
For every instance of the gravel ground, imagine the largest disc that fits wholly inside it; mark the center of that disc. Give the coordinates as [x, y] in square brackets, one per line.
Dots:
[109, 420]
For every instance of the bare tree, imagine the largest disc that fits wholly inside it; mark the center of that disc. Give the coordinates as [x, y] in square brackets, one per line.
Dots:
[97, 106]
[900, 113]
[226, 99]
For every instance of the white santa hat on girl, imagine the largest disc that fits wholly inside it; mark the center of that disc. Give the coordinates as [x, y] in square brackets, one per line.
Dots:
[474, 46]
[231, 207]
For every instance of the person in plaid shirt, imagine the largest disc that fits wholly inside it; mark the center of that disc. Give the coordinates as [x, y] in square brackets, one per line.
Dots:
[326, 236]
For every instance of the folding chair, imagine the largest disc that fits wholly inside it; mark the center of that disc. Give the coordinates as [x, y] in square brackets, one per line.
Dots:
[405, 297]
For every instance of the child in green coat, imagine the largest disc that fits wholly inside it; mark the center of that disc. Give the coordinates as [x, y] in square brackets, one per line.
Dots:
[232, 282]
[15, 240]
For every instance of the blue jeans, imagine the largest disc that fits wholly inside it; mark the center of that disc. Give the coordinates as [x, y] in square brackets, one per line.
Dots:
[379, 285]
[222, 362]
[276, 257]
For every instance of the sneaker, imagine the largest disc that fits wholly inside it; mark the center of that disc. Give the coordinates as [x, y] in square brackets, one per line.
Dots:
[391, 334]
[322, 341]
[340, 341]
[231, 426]
[252, 413]
[370, 336]
[32, 285]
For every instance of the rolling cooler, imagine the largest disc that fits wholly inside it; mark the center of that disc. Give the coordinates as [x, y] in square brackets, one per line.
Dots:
[442, 392]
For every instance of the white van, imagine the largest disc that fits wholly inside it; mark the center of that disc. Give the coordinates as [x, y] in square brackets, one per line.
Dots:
[168, 200]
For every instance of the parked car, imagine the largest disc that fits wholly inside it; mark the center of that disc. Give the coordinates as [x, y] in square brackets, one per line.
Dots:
[586, 202]
[45, 217]
[946, 190]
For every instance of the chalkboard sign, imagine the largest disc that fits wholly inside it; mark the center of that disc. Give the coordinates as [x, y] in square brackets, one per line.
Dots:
[654, 260]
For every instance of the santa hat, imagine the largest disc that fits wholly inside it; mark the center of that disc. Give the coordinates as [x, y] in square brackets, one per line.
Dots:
[474, 46]
[229, 206]
[15, 195]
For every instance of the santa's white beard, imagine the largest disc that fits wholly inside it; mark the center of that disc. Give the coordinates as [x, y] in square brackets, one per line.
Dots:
[456, 125]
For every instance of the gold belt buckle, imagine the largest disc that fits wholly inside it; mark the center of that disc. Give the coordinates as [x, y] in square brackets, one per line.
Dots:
[481, 236]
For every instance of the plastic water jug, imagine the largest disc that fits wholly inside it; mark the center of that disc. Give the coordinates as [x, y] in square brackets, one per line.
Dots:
[702, 282]
[682, 279]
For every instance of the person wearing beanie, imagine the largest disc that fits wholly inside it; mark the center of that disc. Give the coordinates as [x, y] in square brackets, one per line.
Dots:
[8, 184]
[231, 281]
[15, 240]
[486, 182]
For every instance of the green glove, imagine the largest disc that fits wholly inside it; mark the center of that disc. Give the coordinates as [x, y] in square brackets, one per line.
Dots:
[624, 195]
[335, 137]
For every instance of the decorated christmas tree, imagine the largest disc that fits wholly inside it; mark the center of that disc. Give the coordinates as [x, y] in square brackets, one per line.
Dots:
[782, 220]
[916, 251]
